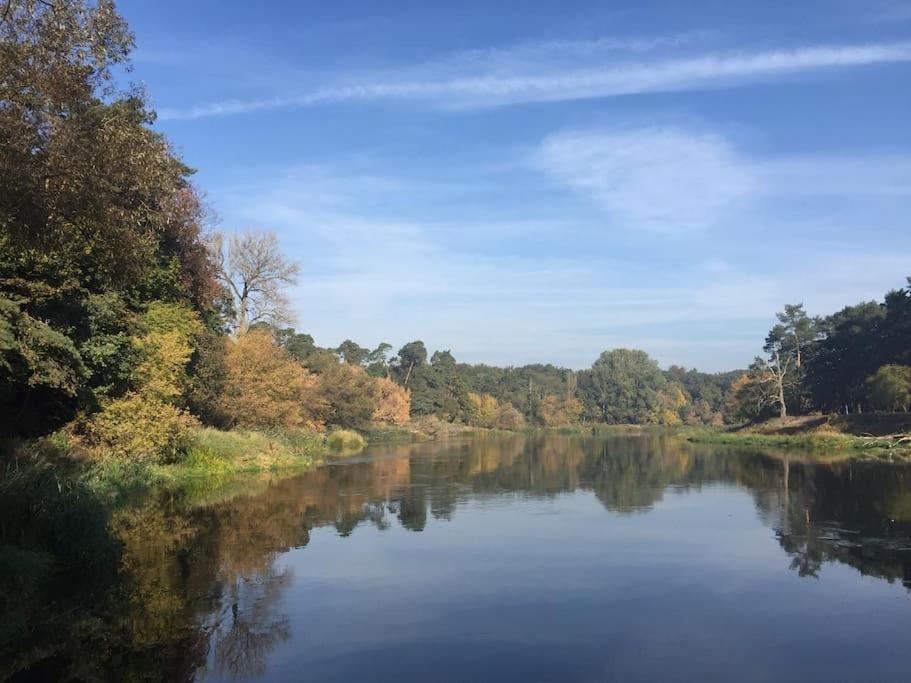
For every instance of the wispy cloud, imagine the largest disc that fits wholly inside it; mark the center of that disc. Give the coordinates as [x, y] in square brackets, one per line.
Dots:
[450, 84]
[677, 181]
[661, 180]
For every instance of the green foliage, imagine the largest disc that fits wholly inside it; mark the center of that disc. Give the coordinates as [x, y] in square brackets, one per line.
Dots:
[350, 394]
[352, 353]
[889, 388]
[96, 214]
[624, 384]
[36, 355]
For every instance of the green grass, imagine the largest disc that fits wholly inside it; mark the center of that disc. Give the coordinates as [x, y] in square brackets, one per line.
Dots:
[811, 441]
[345, 440]
[212, 459]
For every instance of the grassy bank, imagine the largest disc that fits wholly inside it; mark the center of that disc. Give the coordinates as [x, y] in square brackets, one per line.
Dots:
[880, 446]
[209, 454]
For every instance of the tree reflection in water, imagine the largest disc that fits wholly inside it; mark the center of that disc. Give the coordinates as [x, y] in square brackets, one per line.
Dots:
[199, 583]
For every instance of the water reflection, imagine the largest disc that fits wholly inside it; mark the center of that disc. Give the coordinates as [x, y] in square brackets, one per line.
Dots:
[202, 588]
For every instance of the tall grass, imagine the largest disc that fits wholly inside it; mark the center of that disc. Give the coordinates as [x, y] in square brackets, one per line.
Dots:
[345, 440]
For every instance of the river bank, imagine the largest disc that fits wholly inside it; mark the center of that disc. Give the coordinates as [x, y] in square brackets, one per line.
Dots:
[879, 435]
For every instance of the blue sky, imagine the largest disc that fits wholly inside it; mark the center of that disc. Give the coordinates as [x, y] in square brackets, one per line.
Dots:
[527, 181]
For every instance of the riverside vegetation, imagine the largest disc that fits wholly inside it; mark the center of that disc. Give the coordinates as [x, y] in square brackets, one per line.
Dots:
[135, 342]
[139, 346]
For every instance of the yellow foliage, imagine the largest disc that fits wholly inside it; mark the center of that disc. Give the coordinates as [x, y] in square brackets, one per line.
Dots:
[141, 428]
[393, 403]
[671, 403]
[265, 387]
[165, 350]
[486, 410]
[489, 413]
[556, 412]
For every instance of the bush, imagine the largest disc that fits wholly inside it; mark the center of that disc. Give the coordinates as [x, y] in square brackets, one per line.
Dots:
[345, 440]
[139, 428]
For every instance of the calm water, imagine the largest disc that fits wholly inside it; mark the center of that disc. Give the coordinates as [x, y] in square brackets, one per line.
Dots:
[510, 558]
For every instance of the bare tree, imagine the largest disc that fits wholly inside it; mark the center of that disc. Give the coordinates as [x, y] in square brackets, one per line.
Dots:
[251, 266]
[775, 377]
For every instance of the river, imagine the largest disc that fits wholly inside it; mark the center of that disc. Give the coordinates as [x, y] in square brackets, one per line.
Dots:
[509, 558]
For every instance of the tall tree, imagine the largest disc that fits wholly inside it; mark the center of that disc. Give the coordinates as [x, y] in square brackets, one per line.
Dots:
[352, 352]
[97, 215]
[795, 330]
[411, 356]
[253, 268]
[624, 384]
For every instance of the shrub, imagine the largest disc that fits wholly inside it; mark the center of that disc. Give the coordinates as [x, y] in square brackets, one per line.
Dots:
[139, 428]
[345, 440]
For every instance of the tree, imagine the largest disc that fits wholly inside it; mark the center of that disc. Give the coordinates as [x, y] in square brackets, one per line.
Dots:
[486, 410]
[553, 411]
[889, 388]
[251, 266]
[509, 417]
[350, 393]
[301, 346]
[776, 376]
[795, 331]
[848, 352]
[624, 384]
[265, 387]
[352, 353]
[897, 325]
[97, 215]
[412, 355]
[377, 363]
[393, 403]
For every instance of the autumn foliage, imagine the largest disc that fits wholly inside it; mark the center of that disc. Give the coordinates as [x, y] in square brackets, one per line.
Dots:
[392, 403]
[265, 387]
[489, 413]
[559, 412]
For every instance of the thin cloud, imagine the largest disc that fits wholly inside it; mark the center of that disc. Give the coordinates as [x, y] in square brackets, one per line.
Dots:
[675, 181]
[502, 87]
[660, 180]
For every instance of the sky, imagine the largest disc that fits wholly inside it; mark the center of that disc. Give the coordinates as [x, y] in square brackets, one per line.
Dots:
[537, 182]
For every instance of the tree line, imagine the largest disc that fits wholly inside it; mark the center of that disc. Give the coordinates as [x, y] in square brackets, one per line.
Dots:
[854, 361]
[125, 322]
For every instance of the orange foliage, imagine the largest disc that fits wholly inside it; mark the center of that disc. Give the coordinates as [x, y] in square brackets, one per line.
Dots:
[393, 403]
[556, 412]
[265, 387]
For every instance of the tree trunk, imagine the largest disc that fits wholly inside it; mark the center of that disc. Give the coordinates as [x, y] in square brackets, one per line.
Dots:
[242, 323]
[779, 379]
[408, 374]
